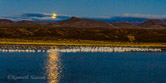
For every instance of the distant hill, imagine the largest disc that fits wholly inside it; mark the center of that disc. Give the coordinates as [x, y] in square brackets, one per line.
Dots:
[153, 24]
[126, 25]
[32, 23]
[85, 23]
[72, 22]
[6, 22]
[132, 20]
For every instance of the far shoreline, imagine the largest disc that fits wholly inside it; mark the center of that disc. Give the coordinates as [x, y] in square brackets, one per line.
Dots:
[66, 42]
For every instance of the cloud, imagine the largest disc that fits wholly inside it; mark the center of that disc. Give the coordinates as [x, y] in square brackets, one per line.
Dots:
[145, 16]
[131, 18]
[36, 17]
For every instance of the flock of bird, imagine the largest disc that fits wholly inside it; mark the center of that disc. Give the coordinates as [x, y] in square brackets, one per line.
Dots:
[49, 48]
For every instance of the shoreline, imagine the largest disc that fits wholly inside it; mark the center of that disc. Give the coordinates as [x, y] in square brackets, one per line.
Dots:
[80, 43]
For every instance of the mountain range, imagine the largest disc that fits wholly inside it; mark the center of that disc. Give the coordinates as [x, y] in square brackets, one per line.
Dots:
[87, 23]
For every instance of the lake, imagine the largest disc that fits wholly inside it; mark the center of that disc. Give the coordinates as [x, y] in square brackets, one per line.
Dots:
[83, 65]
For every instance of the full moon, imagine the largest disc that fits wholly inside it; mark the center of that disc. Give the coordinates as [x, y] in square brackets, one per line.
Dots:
[54, 15]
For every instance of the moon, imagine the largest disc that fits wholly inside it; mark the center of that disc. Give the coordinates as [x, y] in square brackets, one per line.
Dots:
[54, 15]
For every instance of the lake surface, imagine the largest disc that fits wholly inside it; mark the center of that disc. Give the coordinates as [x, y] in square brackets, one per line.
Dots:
[82, 67]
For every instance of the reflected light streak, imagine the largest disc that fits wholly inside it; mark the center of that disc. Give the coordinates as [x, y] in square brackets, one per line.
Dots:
[53, 67]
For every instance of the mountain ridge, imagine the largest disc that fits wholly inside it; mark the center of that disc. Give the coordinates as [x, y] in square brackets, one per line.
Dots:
[76, 22]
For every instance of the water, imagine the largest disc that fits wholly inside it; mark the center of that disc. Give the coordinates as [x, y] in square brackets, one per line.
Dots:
[82, 67]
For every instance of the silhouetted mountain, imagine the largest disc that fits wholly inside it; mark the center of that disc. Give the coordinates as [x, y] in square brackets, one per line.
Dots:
[31, 23]
[153, 24]
[132, 20]
[126, 25]
[83, 23]
[6, 21]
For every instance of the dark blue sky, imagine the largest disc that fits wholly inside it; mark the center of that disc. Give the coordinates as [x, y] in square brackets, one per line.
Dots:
[84, 7]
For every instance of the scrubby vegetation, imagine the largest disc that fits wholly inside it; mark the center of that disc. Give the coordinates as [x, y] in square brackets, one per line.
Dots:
[99, 34]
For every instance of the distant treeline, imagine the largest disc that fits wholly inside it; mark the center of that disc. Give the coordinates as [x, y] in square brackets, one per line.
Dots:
[106, 34]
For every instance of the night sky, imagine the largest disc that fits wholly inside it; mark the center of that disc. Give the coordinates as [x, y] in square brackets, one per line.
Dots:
[91, 8]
